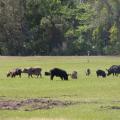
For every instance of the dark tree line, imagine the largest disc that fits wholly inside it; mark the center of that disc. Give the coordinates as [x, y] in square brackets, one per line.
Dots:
[59, 27]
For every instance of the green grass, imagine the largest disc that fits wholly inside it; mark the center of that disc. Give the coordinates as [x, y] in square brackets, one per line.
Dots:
[94, 94]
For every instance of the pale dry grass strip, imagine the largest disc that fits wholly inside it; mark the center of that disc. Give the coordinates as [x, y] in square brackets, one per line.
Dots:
[35, 119]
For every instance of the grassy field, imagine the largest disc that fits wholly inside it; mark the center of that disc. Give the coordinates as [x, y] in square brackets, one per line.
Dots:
[98, 98]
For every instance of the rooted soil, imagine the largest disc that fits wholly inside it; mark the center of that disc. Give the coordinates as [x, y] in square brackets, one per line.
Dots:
[32, 104]
[111, 107]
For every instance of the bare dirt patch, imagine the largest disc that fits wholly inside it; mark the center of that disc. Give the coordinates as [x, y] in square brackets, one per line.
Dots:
[111, 107]
[32, 104]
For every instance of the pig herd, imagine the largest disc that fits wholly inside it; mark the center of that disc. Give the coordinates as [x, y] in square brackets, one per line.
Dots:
[57, 72]
[38, 72]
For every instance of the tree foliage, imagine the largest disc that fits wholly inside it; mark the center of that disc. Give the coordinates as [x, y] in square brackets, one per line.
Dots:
[59, 27]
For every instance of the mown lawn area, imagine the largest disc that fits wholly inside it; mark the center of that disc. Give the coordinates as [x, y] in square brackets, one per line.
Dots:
[95, 98]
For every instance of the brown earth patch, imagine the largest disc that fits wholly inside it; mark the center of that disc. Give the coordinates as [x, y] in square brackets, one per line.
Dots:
[111, 107]
[32, 104]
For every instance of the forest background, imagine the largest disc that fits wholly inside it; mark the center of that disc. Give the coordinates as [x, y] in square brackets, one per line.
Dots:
[59, 27]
